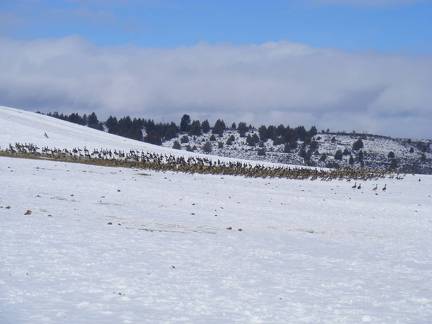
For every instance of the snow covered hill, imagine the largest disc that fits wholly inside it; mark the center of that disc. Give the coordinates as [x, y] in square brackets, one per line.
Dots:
[408, 155]
[20, 126]
[28, 127]
[92, 244]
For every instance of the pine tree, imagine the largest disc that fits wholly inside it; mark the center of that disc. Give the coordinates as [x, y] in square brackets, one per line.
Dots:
[230, 140]
[205, 126]
[338, 155]
[219, 127]
[313, 131]
[112, 125]
[314, 145]
[195, 128]
[358, 145]
[176, 145]
[171, 131]
[184, 139]
[207, 147]
[185, 123]
[93, 122]
[242, 129]
[262, 131]
[250, 141]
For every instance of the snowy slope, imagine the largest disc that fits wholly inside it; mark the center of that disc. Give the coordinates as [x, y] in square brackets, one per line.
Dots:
[115, 245]
[311, 252]
[28, 127]
[20, 126]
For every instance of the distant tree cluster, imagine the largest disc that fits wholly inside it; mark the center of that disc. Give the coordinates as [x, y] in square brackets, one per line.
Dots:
[156, 133]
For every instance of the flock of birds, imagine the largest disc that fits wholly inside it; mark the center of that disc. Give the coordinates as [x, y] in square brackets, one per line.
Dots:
[192, 164]
[358, 186]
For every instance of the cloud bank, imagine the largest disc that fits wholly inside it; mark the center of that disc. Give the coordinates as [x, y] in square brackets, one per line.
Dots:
[277, 82]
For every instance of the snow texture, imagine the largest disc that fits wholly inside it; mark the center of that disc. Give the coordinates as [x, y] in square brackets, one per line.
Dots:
[90, 244]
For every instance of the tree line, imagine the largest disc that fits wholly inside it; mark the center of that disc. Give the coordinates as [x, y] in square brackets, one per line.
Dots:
[149, 131]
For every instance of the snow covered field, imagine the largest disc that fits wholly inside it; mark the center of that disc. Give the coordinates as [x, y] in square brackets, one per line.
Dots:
[116, 245]
[313, 252]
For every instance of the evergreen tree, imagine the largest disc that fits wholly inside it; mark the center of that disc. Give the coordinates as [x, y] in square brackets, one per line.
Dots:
[219, 127]
[313, 131]
[230, 140]
[242, 129]
[93, 122]
[262, 131]
[205, 126]
[360, 157]
[358, 145]
[185, 123]
[195, 128]
[314, 145]
[271, 132]
[280, 130]
[292, 144]
[171, 131]
[184, 139]
[207, 147]
[301, 132]
[391, 155]
[112, 125]
[250, 141]
[338, 155]
[278, 140]
[176, 145]
[302, 152]
[233, 126]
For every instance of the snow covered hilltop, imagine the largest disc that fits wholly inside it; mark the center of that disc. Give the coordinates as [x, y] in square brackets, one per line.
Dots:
[279, 144]
[91, 244]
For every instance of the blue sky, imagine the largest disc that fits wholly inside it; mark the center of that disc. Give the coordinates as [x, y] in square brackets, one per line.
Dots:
[390, 26]
[362, 65]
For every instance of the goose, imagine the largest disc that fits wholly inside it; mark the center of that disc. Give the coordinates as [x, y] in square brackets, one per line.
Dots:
[355, 185]
[384, 188]
[359, 186]
[375, 188]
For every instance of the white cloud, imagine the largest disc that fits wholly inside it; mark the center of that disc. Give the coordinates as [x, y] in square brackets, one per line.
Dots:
[272, 82]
